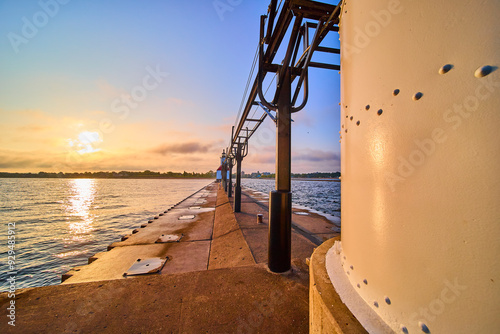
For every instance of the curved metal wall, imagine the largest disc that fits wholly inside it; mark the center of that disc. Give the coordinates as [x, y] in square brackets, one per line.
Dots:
[421, 161]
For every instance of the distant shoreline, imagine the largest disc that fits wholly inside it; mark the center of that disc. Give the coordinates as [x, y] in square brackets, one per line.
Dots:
[110, 175]
[35, 176]
[314, 179]
[147, 174]
[113, 178]
[327, 179]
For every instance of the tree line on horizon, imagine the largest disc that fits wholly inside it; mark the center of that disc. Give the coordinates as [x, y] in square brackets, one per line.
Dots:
[154, 175]
[315, 175]
[111, 175]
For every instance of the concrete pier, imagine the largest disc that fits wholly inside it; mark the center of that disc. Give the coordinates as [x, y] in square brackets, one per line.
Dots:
[215, 278]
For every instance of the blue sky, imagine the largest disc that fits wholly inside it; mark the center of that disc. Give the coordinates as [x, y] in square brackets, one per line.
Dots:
[135, 85]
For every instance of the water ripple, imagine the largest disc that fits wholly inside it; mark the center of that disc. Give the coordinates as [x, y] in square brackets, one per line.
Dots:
[59, 223]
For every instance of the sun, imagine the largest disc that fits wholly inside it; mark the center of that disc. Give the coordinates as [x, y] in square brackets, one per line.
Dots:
[86, 142]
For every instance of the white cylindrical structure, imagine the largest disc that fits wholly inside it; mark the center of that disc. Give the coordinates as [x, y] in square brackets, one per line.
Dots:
[421, 162]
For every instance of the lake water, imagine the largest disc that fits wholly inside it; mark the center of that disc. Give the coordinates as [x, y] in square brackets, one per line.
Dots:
[323, 196]
[60, 223]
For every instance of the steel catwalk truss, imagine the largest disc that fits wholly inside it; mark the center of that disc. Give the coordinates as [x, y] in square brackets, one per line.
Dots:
[306, 15]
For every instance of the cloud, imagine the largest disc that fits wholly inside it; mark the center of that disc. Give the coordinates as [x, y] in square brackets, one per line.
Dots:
[175, 102]
[262, 154]
[88, 137]
[303, 160]
[265, 158]
[182, 148]
[316, 155]
[85, 142]
[304, 119]
[33, 114]
[74, 161]
[107, 89]
[224, 128]
[45, 165]
[33, 128]
[15, 162]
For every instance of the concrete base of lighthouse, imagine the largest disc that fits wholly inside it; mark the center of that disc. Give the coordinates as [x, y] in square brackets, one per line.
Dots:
[327, 312]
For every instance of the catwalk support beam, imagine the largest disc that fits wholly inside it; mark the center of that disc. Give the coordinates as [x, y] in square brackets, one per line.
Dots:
[223, 171]
[237, 188]
[284, 101]
[230, 183]
[280, 200]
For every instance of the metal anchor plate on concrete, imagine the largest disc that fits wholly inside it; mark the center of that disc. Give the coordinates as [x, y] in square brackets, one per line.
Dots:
[146, 266]
[186, 217]
[301, 213]
[169, 238]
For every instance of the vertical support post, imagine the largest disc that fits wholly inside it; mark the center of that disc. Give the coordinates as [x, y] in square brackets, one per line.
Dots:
[224, 173]
[230, 183]
[230, 154]
[280, 200]
[225, 176]
[237, 188]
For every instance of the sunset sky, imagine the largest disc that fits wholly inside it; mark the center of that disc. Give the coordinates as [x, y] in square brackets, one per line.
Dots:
[134, 85]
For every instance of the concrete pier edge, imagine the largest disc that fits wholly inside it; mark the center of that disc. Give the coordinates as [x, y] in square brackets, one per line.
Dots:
[228, 289]
[95, 257]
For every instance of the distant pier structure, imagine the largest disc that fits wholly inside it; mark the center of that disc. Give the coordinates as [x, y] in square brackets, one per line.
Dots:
[294, 30]
[420, 119]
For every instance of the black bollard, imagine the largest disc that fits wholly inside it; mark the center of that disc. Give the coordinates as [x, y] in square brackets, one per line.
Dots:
[280, 229]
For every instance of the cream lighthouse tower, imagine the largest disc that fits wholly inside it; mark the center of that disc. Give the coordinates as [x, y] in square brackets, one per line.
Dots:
[420, 241]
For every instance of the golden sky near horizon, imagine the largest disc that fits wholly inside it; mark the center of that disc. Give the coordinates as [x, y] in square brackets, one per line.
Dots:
[129, 86]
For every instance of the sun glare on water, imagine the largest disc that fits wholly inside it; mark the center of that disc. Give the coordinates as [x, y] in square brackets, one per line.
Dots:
[80, 201]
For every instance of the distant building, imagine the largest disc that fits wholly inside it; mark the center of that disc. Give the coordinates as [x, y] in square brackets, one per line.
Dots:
[219, 174]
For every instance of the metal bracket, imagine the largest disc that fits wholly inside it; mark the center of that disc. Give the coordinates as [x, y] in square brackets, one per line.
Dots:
[268, 112]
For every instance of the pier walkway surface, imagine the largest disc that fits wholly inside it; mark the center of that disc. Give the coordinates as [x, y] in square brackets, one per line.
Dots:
[215, 278]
